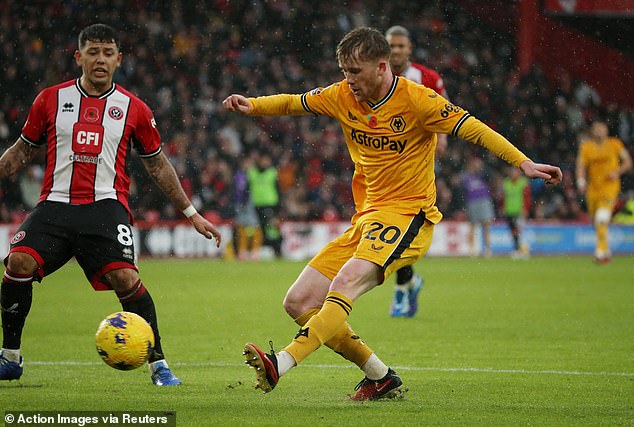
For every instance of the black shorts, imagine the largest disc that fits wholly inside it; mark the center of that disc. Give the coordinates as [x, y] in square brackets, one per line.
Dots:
[98, 235]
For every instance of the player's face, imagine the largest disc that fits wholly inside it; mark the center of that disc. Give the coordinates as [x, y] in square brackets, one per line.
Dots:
[364, 78]
[599, 131]
[98, 62]
[401, 50]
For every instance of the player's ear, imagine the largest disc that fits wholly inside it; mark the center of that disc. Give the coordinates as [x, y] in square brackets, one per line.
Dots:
[77, 57]
[383, 66]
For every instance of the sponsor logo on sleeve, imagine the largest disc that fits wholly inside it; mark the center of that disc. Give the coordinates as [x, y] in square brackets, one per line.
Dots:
[18, 237]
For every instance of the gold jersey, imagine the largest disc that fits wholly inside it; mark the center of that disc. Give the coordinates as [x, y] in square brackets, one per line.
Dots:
[392, 142]
[599, 160]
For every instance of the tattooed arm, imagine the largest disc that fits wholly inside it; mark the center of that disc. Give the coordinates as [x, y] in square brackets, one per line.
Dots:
[16, 158]
[163, 173]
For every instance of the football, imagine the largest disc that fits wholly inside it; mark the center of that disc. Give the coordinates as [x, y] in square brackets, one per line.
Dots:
[124, 340]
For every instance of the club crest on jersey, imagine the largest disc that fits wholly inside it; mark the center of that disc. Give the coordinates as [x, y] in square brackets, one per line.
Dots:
[397, 123]
[18, 236]
[115, 112]
[91, 114]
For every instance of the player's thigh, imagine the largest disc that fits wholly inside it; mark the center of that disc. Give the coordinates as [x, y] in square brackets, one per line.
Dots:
[46, 237]
[600, 200]
[392, 240]
[104, 241]
[356, 277]
[592, 203]
[336, 253]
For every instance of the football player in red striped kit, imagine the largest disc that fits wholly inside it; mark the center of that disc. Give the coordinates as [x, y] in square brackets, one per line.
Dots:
[88, 127]
[408, 283]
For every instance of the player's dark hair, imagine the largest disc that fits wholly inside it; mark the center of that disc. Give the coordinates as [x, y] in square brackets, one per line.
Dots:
[363, 43]
[98, 33]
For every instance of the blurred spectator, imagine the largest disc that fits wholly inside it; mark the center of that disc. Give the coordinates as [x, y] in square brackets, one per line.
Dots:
[516, 201]
[479, 205]
[188, 55]
[247, 232]
[30, 185]
[262, 179]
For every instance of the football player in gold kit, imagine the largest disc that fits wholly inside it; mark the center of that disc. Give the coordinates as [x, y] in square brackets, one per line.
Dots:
[600, 163]
[390, 126]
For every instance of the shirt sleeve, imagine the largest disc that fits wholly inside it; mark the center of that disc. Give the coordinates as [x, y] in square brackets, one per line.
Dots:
[36, 123]
[476, 132]
[317, 101]
[278, 105]
[436, 113]
[147, 140]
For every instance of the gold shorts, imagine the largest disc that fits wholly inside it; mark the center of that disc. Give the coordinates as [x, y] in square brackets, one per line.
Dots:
[389, 240]
[596, 201]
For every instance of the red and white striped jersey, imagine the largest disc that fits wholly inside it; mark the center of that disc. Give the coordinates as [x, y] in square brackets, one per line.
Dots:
[425, 76]
[88, 140]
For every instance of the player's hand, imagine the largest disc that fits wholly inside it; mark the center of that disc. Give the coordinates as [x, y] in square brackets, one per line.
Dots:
[206, 228]
[550, 174]
[237, 103]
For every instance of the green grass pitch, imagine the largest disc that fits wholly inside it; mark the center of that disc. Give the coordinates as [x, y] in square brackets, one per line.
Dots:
[548, 341]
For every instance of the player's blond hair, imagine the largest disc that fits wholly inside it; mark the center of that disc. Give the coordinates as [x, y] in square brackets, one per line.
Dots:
[363, 43]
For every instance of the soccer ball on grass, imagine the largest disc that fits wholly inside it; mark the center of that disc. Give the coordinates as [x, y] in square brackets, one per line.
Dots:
[124, 340]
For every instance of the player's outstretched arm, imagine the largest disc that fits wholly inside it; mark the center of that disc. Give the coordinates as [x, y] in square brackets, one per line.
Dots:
[550, 174]
[237, 103]
[163, 173]
[16, 158]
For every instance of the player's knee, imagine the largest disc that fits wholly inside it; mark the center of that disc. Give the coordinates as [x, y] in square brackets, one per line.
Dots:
[22, 263]
[294, 305]
[602, 216]
[122, 279]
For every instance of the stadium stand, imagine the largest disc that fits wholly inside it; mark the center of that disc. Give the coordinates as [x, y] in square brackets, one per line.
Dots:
[184, 57]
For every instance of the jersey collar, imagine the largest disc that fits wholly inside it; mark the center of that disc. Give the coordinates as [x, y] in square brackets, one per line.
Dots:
[387, 96]
[102, 96]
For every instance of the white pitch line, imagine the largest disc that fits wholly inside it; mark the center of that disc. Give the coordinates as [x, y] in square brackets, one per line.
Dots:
[403, 368]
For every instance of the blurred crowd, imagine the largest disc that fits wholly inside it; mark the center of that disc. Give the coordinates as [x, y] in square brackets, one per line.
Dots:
[184, 57]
